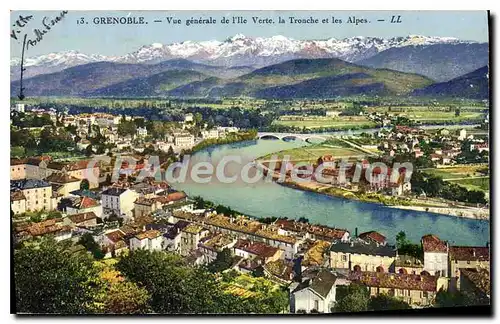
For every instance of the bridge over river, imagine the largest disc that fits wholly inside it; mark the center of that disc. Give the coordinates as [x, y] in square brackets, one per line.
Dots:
[293, 136]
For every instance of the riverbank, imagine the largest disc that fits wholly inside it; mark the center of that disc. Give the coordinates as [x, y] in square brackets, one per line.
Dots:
[388, 201]
[385, 200]
[228, 139]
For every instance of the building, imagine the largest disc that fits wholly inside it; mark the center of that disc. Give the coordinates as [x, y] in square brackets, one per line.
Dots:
[38, 194]
[173, 237]
[88, 219]
[118, 201]
[53, 227]
[190, 237]
[468, 257]
[112, 242]
[476, 284]
[247, 249]
[480, 147]
[207, 134]
[416, 290]
[19, 107]
[462, 135]
[142, 132]
[83, 169]
[63, 183]
[435, 255]
[374, 237]
[406, 264]
[188, 118]
[211, 245]
[17, 202]
[17, 169]
[333, 113]
[359, 255]
[84, 205]
[150, 240]
[183, 140]
[145, 206]
[316, 292]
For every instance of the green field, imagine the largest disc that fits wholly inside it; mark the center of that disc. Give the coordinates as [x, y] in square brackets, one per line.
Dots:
[344, 122]
[481, 184]
[457, 172]
[313, 152]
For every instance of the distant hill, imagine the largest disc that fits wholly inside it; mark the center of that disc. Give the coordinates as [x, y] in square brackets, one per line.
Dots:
[304, 78]
[440, 62]
[155, 85]
[311, 78]
[93, 78]
[474, 85]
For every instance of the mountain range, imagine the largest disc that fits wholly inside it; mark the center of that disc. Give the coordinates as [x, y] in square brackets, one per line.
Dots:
[240, 51]
[299, 78]
[440, 62]
[474, 85]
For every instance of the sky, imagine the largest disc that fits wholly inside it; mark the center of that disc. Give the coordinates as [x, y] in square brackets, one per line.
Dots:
[91, 38]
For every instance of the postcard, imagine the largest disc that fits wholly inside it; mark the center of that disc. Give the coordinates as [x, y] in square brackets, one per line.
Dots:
[250, 162]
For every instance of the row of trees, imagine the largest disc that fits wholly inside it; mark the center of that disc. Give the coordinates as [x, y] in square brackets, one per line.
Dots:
[434, 186]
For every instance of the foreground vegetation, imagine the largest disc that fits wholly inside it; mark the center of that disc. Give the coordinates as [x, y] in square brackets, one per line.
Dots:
[141, 282]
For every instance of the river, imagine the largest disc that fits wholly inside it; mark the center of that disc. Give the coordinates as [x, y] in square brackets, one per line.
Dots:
[268, 199]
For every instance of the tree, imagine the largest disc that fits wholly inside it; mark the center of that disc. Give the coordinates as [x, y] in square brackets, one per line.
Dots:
[352, 298]
[170, 151]
[385, 302]
[87, 240]
[174, 287]
[84, 184]
[50, 280]
[223, 261]
[198, 118]
[126, 298]
[401, 239]
[88, 150]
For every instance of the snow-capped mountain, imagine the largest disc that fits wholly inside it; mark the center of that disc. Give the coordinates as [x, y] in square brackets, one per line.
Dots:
[236, 51]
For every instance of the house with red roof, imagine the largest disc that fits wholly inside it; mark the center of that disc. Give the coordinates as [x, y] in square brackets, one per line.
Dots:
[84, 204]
[435, 255]
[373, 237]
[415, 289]
[462, 257]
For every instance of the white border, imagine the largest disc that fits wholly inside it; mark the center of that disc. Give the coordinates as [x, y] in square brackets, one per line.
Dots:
[209, 5]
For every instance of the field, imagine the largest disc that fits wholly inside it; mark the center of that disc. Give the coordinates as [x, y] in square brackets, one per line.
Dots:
[429, 114]
[313, 152]
[480, 184]
[457, 172]
[344, 122]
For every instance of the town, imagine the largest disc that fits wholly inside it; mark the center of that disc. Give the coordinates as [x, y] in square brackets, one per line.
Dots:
[287, 265]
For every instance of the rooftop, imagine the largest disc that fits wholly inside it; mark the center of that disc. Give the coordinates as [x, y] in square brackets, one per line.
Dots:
[151, 234]
[362, 247]
[432, 243]
[59, 177]
[114, 191]
[26, 184]
[321, 283]
[395, 280]
[193, 228]
[373, 236]
[83, 217]
[469, 253]
[217, 241]
[115, 236]
[480, 278]
[17, 195]
[257, 248]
